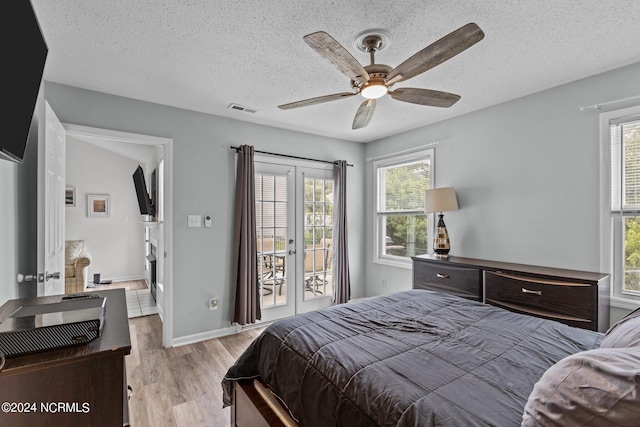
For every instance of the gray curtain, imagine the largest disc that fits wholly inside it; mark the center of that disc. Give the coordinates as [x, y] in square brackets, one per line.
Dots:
[244, 270]
[340, 266]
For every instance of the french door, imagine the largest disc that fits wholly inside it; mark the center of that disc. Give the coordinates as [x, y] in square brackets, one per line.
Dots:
[294, 217]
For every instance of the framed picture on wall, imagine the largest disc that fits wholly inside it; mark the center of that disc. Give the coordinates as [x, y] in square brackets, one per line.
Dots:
[70, 196]
[98, 206]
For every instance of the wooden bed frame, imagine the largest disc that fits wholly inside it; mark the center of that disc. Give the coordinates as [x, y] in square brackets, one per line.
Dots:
[253, 405]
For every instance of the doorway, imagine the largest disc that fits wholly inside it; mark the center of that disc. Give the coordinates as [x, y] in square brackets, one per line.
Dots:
[294, 220]
[158, 230]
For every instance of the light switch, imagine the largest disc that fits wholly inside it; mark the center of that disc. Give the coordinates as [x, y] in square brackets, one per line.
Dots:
[194, 221]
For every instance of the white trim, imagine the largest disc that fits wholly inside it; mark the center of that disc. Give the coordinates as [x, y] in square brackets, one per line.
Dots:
[405, 263]
[114, 135]
[605, 196]
[390, 160]
[203, 336]
[607, 236]
[624, 303]
[167, 225]
[123, 279]
[258, 324]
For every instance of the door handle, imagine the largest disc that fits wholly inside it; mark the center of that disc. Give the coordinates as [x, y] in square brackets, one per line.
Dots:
[26, 277]
[292, 252]
[49, 276]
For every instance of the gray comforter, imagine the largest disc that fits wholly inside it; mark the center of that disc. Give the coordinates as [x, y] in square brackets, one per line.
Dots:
[414, 358]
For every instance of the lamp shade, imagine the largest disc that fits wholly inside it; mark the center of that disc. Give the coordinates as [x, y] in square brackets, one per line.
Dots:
[440, 200]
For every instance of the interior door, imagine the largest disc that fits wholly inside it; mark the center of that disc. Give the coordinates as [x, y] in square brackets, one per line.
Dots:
[51, 181]
[275, 237]
[314, 213]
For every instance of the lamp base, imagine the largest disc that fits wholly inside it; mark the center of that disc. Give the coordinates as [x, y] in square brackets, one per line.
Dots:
[441, 245]
[443, 256]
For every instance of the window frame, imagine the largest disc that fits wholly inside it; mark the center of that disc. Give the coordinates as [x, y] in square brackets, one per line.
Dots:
[612, 220]
[379, 236]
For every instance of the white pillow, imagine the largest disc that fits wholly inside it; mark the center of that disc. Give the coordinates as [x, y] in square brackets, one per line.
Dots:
[625, 333]
[598, 387]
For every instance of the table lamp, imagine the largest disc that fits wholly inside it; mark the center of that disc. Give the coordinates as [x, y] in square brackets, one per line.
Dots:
[440, 200]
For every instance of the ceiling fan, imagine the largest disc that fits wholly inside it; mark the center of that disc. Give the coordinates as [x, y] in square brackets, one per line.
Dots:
[375, 80]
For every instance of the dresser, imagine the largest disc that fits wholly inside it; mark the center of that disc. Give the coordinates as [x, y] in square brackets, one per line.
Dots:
[84, 385]
[577, 298]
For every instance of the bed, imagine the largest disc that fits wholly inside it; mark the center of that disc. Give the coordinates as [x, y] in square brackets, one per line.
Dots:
[419, 358]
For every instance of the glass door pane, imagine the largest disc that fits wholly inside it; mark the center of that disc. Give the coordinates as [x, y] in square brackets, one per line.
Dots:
[274, 230]
[315, 207]
[318, 222]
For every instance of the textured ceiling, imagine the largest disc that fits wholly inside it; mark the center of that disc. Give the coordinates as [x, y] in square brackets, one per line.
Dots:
[203, 55]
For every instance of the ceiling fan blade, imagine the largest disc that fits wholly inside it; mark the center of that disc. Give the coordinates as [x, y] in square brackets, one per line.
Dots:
[318, 100]
[335, 53]
[432, 98]
[364, 114]
[436, 53]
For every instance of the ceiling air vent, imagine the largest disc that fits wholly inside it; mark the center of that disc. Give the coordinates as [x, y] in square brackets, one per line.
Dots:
[242, 108]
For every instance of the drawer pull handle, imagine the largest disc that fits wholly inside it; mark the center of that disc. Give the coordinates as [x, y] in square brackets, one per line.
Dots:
[527, 291]
[442, 276]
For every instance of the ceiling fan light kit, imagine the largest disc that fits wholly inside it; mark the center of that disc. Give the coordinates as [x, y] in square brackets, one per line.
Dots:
[374, 80]
[374, 89]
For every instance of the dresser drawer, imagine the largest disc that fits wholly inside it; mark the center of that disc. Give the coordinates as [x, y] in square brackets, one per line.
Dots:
[569, 302]
[461, 281]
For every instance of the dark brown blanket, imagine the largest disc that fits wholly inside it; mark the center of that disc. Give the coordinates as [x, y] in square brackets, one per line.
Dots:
[413, 358]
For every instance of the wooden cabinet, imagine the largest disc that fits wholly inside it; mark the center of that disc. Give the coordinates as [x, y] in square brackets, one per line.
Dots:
[81, 386]
[577, 298]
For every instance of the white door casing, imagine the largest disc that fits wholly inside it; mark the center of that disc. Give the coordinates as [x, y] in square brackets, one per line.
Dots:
[51, 184]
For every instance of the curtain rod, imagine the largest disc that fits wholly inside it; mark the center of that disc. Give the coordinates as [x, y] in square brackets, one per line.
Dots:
[289, 156]
[603, 104]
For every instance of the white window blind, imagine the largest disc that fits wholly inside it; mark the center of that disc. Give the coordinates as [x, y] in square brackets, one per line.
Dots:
[402, 226]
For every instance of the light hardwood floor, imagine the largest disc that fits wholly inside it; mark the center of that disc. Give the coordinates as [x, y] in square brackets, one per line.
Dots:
[179, 386]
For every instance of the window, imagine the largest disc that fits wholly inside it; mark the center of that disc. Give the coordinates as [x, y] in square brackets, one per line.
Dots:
[622, 129]
[401, 229]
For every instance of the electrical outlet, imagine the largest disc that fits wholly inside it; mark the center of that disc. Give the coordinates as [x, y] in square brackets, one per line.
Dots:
[213, 303]
[383, 283]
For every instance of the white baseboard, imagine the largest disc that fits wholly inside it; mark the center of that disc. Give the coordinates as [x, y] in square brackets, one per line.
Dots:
[203, 336]
[119, 279]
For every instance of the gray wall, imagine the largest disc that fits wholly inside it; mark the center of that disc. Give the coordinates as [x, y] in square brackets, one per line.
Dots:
[8, 221]
[526, 172]
[527, 177]
[203, 178]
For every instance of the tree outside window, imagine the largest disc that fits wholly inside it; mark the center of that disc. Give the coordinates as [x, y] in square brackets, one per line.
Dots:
[402, 227]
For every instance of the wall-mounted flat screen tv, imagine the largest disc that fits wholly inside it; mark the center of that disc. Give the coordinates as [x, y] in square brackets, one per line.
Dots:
[144, 201]
[24, 53]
